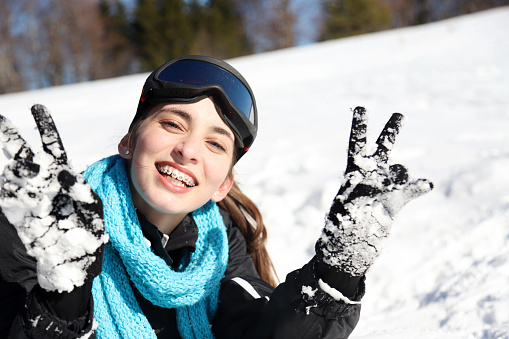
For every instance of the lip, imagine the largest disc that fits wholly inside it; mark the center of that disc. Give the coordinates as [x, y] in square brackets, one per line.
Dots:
[168, 184]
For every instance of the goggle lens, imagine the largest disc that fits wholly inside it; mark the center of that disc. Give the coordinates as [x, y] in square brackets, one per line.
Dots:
[200, 73]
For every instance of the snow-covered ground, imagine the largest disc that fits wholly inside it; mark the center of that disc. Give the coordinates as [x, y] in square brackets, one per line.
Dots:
[445, 270]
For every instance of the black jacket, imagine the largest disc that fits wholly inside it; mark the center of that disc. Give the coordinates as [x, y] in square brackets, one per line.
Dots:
[248, 307]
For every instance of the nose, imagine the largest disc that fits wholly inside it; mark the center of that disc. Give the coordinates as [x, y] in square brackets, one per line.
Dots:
[188, 149]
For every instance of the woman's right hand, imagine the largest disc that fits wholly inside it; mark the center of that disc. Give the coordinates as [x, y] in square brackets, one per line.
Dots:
[57, 216]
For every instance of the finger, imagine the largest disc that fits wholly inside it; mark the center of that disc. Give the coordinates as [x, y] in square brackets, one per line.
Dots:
[15, 147]
[387, 138]
[66, 180]
[416, 188]
[357, 142]
[25, 169]
[398, 174]
[51, 142]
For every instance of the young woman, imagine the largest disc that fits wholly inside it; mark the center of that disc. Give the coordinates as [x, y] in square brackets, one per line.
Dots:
[159, 242]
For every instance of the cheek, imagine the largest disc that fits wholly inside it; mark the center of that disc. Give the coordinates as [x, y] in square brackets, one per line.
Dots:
[150, 143]
[145, 144]
[142, 161]
[218, 172]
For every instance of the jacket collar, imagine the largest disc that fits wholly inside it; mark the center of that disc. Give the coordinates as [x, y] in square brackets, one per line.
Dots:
[170, 248]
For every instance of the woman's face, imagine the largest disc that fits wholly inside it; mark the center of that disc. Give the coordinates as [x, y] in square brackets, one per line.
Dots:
[182, 158]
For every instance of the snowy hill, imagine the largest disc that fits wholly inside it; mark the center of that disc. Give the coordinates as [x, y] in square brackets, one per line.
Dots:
[445, 271]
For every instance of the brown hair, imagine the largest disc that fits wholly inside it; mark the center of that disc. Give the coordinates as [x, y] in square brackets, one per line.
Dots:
[248, 219]
[244, 213]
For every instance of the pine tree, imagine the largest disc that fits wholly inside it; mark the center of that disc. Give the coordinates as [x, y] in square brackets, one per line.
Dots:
[176, 29]
[218, 29]
[144, 33]
[118, 55]
[161, 31]
[351, 17]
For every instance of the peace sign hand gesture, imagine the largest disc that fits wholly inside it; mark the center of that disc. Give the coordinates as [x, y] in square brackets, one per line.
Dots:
[57, 216]
[371, 194]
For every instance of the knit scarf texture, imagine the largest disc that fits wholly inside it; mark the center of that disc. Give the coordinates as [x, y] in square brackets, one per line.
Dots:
[192, 290]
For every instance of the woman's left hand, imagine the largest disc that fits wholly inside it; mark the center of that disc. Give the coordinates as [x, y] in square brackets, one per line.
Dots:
[371, 194]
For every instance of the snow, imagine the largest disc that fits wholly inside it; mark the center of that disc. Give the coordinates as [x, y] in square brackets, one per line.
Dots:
[309, 291]
[444, 272]
[335, 293]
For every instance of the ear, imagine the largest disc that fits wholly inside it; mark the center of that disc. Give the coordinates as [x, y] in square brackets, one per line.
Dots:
[123, 148]
[223, 190]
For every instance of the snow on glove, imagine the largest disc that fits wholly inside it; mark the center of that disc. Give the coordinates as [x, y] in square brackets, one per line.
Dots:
[57, 216]
[370, 196]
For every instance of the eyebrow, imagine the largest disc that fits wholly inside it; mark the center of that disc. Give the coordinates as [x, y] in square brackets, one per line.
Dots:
[188, 118]
[184, 115]
[223, 131]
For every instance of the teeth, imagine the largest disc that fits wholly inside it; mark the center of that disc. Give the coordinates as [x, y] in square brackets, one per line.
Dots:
[176, 174]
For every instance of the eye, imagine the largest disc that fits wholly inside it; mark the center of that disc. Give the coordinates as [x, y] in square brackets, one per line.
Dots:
[217, 146]
[170, 124]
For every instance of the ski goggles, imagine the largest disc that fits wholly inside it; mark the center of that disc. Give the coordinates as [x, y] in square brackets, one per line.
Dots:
[186, 78]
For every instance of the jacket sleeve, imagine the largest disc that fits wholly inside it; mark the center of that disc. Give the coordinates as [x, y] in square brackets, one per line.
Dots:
[26, 310]
[298, 308]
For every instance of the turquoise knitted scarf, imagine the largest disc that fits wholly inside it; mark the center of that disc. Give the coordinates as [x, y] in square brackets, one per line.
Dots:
[192, 290]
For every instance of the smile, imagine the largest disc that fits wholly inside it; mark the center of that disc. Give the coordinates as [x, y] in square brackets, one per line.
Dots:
[175, 176]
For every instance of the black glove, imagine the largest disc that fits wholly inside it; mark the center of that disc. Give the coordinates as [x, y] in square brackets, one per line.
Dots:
[57, 216]
[371, 194]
